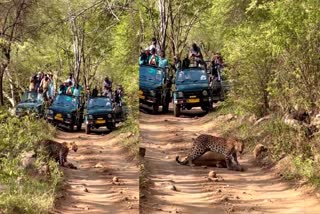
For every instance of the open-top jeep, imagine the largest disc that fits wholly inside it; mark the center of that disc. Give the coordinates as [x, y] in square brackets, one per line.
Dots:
[66, 110]
[31, 102]
[192, 89]
[154, 88]
[101, 112]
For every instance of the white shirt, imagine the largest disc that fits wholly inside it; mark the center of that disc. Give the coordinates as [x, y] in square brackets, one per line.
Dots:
[157, 47]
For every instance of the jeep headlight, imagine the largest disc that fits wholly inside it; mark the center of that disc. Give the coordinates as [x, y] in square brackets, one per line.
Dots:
[180, 94]
[205, 93]
[90, 117]
[152, 93]
[109, 115]
[69, 116]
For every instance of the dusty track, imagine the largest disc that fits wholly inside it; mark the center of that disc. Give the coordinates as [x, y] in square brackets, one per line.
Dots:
[102, 196]
[252, 191]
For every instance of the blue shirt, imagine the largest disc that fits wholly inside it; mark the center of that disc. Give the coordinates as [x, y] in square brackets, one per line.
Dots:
[163, 62]
[76, 92]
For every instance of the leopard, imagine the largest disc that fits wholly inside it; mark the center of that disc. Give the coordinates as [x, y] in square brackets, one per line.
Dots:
[223, 146]
[55, 150]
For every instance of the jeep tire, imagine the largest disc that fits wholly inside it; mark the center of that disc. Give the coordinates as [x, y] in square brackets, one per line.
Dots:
[176, 110]
[165, 107]
[79, 126]
[205, 108]
[155, 108]
[110, 126]
[88, 129]
[71, 126]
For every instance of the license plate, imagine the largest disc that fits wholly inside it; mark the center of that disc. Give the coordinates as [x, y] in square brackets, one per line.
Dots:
[58, 117]
[196, 100]
[100, 121]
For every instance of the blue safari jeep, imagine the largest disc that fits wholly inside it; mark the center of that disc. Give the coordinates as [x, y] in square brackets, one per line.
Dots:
[154, 88]
[31, 102]
[192, 88]
[66, 110]
[100, 112]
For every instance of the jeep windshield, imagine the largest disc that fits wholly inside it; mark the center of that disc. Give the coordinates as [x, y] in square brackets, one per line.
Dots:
[65, 100]
[32, 97]
[99, 102]
[152, 74]
[191, 76]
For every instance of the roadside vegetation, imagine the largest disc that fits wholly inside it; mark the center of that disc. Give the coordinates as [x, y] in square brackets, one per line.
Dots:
[291, 151]
[272, 55]
[23, 187]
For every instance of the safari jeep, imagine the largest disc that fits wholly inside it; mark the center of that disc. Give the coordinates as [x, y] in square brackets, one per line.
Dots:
[31, 102]
[192, 89]
[154, 88]
[101, 112]
[66, 110]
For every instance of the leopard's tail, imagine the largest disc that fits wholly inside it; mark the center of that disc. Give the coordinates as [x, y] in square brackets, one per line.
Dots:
[182, 162]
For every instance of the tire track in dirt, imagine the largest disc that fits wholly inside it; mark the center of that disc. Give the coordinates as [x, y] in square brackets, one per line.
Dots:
[252, 191]
[90, 188]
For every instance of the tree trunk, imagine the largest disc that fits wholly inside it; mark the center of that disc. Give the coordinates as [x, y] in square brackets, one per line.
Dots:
[3, 68]
[163, 24]
[1, 85]
[11, 99]
[76, 48]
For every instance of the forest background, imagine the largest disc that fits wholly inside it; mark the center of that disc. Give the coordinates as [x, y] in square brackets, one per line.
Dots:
[271, 50]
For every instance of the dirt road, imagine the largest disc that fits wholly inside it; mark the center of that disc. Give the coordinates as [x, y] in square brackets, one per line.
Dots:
[181, 189]
[90, 188]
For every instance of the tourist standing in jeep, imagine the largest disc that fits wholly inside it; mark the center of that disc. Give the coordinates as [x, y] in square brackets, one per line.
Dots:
[163, 62]
[154, 45]
[196, 55]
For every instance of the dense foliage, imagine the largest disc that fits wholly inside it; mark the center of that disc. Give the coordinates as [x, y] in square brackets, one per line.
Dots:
[22, 189]
[271, 48]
